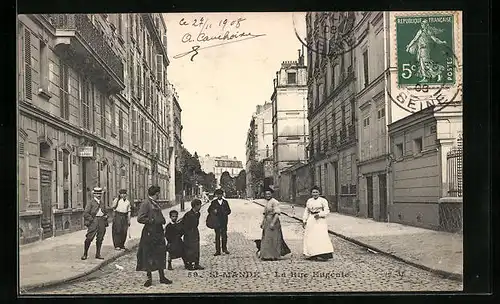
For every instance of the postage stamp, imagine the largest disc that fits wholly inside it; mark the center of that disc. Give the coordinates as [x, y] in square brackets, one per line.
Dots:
[426, 50]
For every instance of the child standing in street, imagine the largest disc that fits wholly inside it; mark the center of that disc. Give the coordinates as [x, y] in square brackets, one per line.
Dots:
[173, 234]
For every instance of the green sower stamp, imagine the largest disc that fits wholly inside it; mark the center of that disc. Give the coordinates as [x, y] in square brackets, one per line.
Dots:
[424, 55]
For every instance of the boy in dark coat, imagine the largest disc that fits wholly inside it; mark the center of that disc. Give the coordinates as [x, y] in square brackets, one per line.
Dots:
[152, 252]
[190, 223]
[173, 234]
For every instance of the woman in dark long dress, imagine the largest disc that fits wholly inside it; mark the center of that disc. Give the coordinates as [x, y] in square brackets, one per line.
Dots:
[173, 234]
[152, 252]
[190, 223]
[272, 245]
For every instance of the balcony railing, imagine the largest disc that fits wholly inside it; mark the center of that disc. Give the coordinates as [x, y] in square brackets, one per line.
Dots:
[92, 36]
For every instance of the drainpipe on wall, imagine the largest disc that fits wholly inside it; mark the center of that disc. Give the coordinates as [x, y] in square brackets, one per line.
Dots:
[388, 113]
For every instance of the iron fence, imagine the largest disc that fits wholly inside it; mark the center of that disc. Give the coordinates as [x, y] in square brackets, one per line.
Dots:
[454, 164]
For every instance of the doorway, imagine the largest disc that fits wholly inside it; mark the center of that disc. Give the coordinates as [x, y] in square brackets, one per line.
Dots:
[336, 186]
[46, 202]
[382, 186]
[369, 190]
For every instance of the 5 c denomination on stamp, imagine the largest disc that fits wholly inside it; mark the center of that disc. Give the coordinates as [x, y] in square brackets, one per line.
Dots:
[426, 48]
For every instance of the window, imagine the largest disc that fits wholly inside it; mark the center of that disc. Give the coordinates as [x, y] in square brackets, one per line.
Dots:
[343, 115]
[380, 113]
[120, 25]
[142, 132]
[86, 105]
[64, 91]
[333, 77]
[66, 178]
[140, 75]
[103, 115]
[417, 145]
[112, 109]
[365, 67]
[131, 73]
[93, 109]
[44, 73]
[159, 69]
[292, 78]
[353, 112]
[120, 128]
[27, 65]
[147, 138]
[334, 122]
[134, 126]
[399, 153]
[366, 122]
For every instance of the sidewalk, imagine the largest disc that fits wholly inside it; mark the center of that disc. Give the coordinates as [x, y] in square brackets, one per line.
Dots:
[56, 260]
[436, 251]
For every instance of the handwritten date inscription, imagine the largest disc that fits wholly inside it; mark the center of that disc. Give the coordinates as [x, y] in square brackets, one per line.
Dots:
[225, 30]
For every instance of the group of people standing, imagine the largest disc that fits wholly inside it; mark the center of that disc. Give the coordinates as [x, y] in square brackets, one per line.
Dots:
[316, 243]
[180, 238]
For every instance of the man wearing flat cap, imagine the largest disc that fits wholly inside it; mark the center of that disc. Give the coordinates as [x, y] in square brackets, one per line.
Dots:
[219, 208]
[95, 218]
[121, 219]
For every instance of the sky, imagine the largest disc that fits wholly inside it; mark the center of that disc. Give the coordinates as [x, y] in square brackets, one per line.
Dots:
[219, 90]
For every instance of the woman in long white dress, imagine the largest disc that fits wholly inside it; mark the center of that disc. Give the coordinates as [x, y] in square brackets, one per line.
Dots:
[317, 243]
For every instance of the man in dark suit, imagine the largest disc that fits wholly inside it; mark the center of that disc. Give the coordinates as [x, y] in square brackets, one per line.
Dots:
[219, 208]
[95, 218]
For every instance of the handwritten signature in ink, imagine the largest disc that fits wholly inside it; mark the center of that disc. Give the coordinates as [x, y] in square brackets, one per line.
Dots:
[227, 38]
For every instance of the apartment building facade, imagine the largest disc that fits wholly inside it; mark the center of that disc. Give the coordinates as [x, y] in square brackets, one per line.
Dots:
[73, 119]
[259, 142]
[147, 63]
[332, 109]
[92, 112]
[289, 117]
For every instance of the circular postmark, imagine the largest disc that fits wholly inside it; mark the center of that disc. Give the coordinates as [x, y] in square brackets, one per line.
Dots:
[427, 66]
[332, 31]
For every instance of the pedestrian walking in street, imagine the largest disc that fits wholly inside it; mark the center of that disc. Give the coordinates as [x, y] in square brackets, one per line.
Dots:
[272, 245]
[152, 252]
[173, 234]
[95, 218]
[317, 243]
[190, 223]
[220, 210]
[121, 219]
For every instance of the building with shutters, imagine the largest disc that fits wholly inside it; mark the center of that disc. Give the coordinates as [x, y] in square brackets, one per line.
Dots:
[332, 110]
[350, 109]
[289, 117]
[150, 108]
[175, 144]
[259, 144]
[92, 112]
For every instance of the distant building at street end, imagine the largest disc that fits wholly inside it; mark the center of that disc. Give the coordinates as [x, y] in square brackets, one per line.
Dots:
[289, 116]
[425, 166]
[259, 144]
[220, 164]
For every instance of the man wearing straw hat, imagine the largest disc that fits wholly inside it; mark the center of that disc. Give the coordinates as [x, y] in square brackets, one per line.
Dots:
[95, 218]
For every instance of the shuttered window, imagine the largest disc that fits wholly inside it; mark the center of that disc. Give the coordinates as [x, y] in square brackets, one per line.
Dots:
[138, 79]
[159, 69]
[102, 102]
[112, 109]
[134, 126]
[131, 73]
[141, 132]
[27, 65]
[147, 89]
[147, 137]
[86, 105]
[120, 127]
[64, 91]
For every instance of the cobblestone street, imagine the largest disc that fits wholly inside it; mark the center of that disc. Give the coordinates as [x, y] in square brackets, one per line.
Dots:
[353, 268]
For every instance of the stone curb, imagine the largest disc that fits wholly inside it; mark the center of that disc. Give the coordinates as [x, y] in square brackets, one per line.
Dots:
[54, 283]
[442, 273]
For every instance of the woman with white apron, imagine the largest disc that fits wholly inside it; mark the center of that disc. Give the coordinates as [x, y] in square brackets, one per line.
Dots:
[317, 243]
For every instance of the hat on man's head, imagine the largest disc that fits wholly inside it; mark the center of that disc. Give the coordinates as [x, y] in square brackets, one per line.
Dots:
[123, 191]
[219, 191]
[97, 190]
